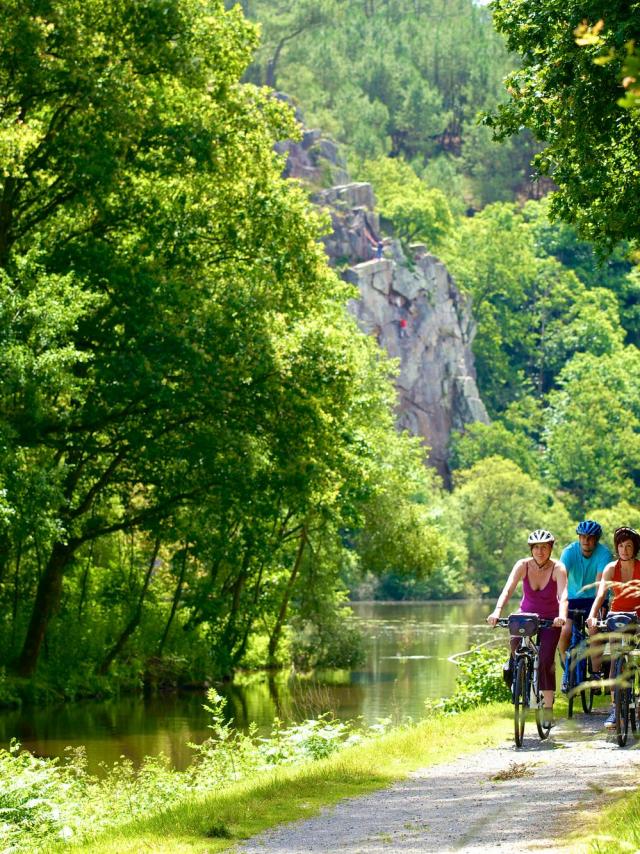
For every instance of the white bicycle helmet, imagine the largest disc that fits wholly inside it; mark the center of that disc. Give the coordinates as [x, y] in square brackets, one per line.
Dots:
[540, 536]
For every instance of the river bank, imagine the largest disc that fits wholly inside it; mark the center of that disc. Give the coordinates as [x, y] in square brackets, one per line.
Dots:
[407, 652]
[449, 783]
[220, 820]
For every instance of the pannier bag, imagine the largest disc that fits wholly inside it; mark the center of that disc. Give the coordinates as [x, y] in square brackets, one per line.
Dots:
[621, 621]
[523, 625]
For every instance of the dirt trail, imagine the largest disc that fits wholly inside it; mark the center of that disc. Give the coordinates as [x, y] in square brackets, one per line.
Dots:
[459, 806]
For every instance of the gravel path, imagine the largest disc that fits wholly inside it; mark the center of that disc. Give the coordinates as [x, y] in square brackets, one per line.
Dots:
[460, 806]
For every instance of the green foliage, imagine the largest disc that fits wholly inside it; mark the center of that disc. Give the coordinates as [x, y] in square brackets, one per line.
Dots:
[593, 430]
[330, 640]
[189, 417]
[487, 440]
[500, 505]
[9, 697]
[43, 800]
[479, 681]
[415, 212]
[569, 102]
[532, 313]
[404, 79]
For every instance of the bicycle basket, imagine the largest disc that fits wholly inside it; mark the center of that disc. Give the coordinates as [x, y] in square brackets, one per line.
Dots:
[621, 622]
[523, 625]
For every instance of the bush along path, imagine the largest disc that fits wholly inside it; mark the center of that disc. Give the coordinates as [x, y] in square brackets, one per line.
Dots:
[546, 795]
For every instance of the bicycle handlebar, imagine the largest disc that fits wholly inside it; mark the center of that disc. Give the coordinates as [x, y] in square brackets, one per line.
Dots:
[543, 623]
[632, 626]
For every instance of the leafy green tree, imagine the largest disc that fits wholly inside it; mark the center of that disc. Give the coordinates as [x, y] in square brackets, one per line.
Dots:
[593, 430]
[416, 212]
[283, 22]
[591, 143]
[177, 364]
[500, 505]
[487, 440]
[400, 79]
[532, 313]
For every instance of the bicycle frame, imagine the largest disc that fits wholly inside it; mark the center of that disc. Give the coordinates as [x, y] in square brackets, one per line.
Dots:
[577, 664]
[525, 680]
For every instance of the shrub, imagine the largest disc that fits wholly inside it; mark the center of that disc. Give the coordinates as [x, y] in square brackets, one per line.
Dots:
[42, 800]
[480, 679]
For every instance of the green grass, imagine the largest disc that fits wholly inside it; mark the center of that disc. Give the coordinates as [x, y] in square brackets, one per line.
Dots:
[217, 823]
[615, 829]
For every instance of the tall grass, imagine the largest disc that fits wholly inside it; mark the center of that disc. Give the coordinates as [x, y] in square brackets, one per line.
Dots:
[221, 818]
[45, 800]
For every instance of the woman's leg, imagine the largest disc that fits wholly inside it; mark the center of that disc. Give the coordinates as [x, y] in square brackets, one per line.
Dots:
[547, 665]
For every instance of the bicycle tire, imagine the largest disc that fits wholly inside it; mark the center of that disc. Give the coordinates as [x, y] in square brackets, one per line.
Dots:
[569, 678]
[520, 699]
[621, 701]
[582, 672]
[543, 728]
[634, 699]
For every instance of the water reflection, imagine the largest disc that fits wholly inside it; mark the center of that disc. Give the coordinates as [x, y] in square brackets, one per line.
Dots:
[408, 647]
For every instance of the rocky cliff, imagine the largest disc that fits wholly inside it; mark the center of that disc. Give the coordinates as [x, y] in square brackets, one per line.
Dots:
[409, 302]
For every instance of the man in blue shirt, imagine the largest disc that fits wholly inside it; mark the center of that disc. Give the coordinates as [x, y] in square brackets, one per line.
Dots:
[585, 559]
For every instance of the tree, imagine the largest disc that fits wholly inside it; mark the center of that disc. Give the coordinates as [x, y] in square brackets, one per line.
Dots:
[401, 79]
[416, 212]
[500, 505]
[174, 345]
[591, 143]
[593, 430]
[532, 313]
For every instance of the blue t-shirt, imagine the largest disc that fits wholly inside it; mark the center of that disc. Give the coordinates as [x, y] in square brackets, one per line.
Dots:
[582, 570]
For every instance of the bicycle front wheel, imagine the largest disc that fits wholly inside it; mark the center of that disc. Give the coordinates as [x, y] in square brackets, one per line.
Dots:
[621, 699]
[569, 679]
[520, 699]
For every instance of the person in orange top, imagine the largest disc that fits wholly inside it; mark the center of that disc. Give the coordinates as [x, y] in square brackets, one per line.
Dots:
[622, 576]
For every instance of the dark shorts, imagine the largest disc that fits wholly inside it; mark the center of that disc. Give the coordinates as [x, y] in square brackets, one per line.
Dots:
[583, 605]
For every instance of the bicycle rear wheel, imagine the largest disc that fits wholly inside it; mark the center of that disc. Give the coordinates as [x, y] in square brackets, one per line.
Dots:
[634, 699]
[520, 699]
[621, 700]
[543, 728]
[582, 673]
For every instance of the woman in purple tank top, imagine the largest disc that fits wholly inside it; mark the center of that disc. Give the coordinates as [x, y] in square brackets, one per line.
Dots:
[544, 583]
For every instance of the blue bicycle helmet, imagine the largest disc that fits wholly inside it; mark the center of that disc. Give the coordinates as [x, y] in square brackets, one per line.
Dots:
[589, 528]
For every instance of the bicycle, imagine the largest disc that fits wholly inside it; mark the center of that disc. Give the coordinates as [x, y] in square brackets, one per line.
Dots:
[578, 670]
[525, 683]
[623, 625]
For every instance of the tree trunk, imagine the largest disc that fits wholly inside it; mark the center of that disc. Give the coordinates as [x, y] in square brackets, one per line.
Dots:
[134, 622]
[274, 640]
[174, 603]
[85, 580]
[46, 603]
[229, 637]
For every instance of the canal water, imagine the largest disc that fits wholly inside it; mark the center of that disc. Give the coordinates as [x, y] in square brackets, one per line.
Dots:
[408, 651]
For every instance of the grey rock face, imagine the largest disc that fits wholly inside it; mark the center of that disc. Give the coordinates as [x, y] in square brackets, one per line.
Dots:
[411, 305]
[420, 317]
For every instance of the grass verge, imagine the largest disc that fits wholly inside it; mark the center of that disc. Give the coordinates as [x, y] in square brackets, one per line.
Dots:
[217, 823]
[615, 829]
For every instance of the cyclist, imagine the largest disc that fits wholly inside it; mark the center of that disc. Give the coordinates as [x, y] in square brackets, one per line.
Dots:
[585, 560]
[623, 577]
[544, 583]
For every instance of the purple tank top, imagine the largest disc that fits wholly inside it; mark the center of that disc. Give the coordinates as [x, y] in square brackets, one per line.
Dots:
[542, 602]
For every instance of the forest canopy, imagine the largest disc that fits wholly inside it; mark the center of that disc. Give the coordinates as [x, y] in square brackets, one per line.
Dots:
[190, 420]
[199, 454]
